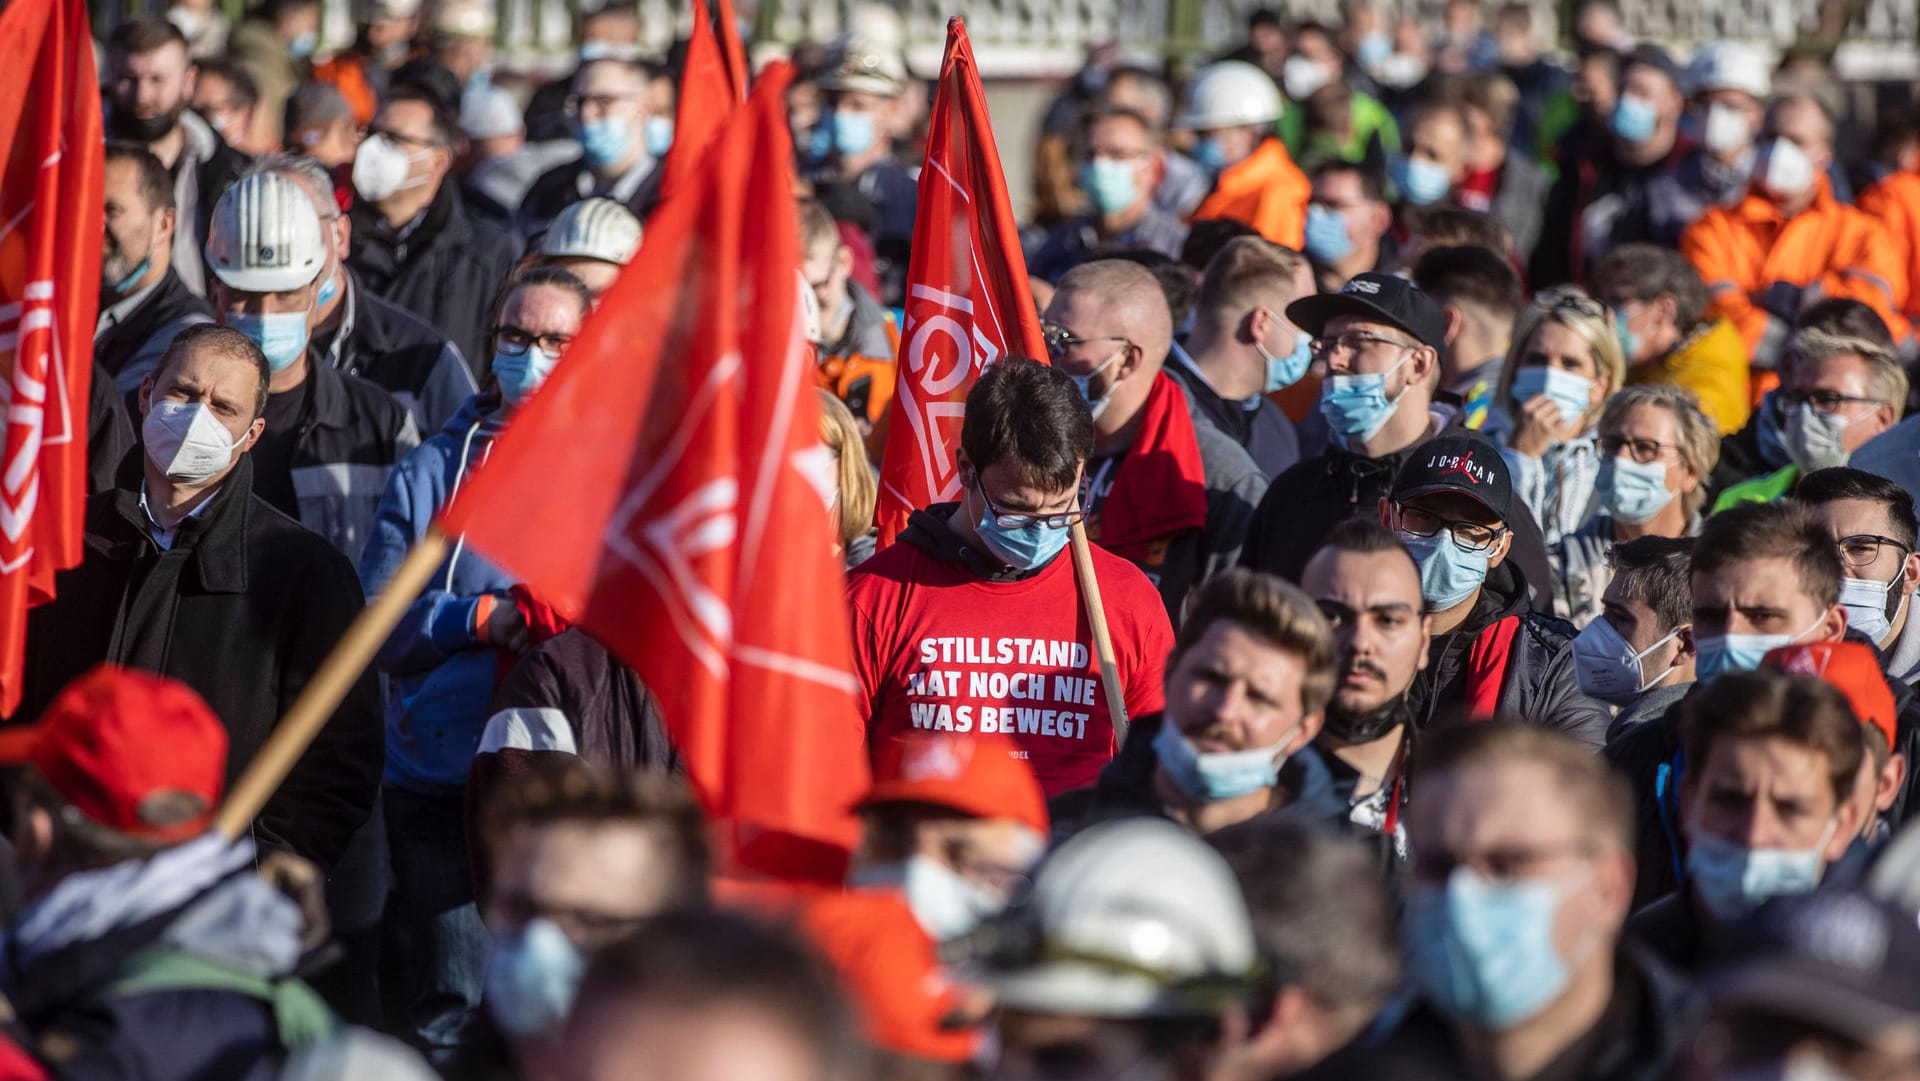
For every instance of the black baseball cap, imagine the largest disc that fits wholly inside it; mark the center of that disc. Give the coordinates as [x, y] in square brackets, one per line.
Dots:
[1836, 958]
[1380, 297]
[1466, 464]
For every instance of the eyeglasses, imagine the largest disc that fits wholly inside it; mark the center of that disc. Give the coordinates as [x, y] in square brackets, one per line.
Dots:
[1862, 549]
[1059, 339]
[514, 341]
[1007, 519]
[602, 103]
[1644, 451]
[1502, 864]
[1352, 344]
[1569, 300]
[402, 140]
[1826, 401]
[1470, 536]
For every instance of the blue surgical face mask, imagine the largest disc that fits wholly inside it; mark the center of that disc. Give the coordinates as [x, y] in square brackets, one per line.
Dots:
[125, 285]
[1084, 384]
[1629, 341]
[1357, 406]
[1286, 371]
[1422, 182]
[1373, 49]
[1449, 573]
[1109, 184]
[1211, 778]
[1868, 608]
[532, 975]
[1483, 950]
[1327, 238]
[853, 133]
[1740, 652]
[282, 336]
[1209, 155]
[519, 376]
[1633, 492]
[605, 140]
[329, 289]
[1634, 119]
[1606, 666]
[1567, 390]
[1732, 880]
[659, 135]
[1028, 548]
[303, 46]
[1771, 431]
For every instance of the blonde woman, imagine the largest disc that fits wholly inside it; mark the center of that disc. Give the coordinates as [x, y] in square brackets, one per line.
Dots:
[1562, 367]
[1656, 450]
[856, 492]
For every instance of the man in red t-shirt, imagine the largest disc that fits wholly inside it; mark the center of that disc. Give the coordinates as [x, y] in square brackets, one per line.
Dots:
[972, 621]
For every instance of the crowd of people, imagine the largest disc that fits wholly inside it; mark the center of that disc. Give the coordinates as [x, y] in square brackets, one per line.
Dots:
[1502, 512]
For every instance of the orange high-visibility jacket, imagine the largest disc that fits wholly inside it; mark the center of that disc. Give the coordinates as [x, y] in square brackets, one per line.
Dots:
[348, 73]
[1896, 202]
[1267, 191]
[1829, 249]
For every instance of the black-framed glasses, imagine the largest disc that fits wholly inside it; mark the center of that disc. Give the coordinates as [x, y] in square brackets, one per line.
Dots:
[1862, 549]
[402, 140]
[1644, 451]
[1826, 401]
[514, 341]
[1059, 339]
[1007, 519]
[1470, 536]
[1352, 343]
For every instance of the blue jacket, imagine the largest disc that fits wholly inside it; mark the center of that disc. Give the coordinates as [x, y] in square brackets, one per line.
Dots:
[439, 676]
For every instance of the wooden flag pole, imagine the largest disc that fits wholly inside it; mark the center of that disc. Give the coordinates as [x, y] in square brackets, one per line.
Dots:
[1102, 640]
[330, 683]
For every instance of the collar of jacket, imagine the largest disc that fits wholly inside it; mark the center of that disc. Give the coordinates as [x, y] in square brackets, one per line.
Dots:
[1759, 210]
[444, 218]
[217, 538]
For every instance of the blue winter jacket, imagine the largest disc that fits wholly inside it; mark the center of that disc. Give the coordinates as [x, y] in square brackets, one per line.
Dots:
[438, 676]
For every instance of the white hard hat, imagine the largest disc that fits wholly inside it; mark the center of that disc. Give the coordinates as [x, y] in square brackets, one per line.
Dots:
[1134, 918]
[383, 10]
[861, 65]
[1230, 94]
[265, 236]
[595, 228]
[465, 19]
[1731, 65]
[489, 112]
[353, 1054]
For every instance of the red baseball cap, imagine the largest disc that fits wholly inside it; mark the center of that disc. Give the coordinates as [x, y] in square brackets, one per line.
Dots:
[891, 970]
[115, 741]
[976, 775]
[1850, 668]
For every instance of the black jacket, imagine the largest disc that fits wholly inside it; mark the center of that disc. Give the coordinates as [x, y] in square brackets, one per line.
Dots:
[242, 608]
[1638, 1038]
[1265, 432]
[380, 341]
[1539, 685]
[1303, 505]
[560, 187]
[131, 348]
[445, 271]
[109, 432]
[1125, 787]
[351, 437]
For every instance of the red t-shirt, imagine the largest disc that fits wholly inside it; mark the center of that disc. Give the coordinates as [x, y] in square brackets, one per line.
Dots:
[936, 648]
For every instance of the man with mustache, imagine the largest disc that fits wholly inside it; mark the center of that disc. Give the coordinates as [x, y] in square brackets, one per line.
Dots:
[1367, 586]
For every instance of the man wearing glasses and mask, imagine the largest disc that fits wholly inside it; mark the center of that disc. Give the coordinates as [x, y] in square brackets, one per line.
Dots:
[1489, 652]
[972, 622]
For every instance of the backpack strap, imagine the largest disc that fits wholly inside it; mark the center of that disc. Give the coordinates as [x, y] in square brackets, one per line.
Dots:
[300, 1016]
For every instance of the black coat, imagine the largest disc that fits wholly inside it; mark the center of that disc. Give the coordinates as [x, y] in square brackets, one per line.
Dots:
[560, 187]
[109, 432]
[242, 608]
[403, 354]
[131, 348]
[446, 271]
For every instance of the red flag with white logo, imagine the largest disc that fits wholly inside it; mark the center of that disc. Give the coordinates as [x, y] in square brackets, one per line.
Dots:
[968, 303]
[707, 97]
[667, 491]
[51, 210]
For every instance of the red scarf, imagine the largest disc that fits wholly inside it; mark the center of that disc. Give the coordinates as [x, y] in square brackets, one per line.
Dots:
[1159, 488]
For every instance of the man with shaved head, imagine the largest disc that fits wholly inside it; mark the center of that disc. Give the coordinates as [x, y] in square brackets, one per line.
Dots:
[1171, 496]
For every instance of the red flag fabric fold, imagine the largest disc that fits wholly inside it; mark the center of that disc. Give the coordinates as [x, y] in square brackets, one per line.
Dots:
[968, 303]
[667, 491]
[706, 99]
[51, 208]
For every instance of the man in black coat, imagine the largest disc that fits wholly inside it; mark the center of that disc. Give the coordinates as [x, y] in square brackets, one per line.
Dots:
[143, 302]
[413, 241]
[188, 574]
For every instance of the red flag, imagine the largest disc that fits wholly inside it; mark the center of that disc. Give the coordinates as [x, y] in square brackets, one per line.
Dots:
[968, 303]
[730, 48]
[667, 490]
[706, 99]
[51, 208]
